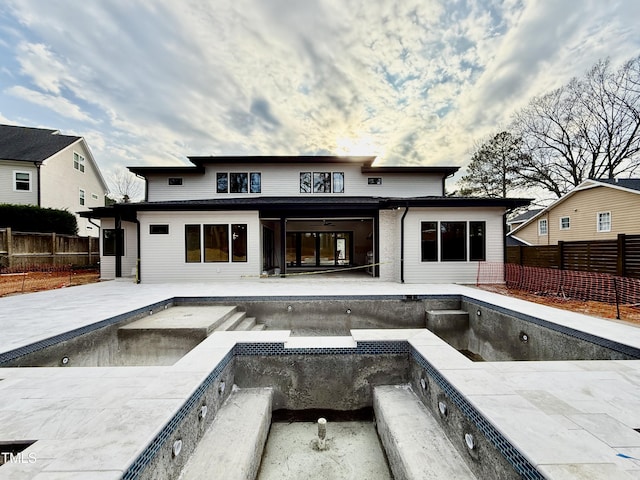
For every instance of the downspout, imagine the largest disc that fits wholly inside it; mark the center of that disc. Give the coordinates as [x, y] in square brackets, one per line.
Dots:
[118, 229]
[138, 275]
[406, 210]
[38, 165]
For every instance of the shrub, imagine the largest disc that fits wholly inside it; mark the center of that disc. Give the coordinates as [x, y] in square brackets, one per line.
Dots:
[29, 218]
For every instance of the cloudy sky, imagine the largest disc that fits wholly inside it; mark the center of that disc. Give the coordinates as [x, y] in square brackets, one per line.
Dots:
[149, 82]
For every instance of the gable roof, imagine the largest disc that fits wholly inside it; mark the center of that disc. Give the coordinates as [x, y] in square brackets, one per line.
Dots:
[26, 144]
[631, 185]
[524, 216]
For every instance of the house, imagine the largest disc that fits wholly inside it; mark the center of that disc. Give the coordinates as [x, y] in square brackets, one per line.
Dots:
[594, 210]
[517, 220]
[224, 218]
[44, 168]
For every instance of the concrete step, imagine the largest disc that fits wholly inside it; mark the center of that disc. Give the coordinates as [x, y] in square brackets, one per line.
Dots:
[415, 444]
[247, 324]
[232, 322]
[198, 320]
[258, 327]
[447, 320]
[231, 448]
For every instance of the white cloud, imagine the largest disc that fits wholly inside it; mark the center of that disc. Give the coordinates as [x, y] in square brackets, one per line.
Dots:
[56, 103]
[419, 80]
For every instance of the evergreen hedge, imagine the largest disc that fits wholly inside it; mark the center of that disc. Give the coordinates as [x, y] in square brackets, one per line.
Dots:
[28, 218]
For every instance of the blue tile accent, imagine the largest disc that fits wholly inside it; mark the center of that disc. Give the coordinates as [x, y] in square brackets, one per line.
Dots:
[158, 442]
[519, 462]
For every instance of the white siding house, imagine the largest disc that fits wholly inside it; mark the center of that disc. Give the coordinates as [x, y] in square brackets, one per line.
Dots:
[226, 218]
[44, 168]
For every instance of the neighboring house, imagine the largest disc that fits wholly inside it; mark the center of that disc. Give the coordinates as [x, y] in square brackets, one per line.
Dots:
[232, 217]
[516, 221]
[43, 168]
[594, 210]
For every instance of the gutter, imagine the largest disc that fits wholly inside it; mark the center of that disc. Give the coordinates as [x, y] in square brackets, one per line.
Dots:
[39, 195]
[138, 276]
[406, 210]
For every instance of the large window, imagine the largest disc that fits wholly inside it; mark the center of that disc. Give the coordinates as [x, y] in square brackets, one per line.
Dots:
[193, 249]
[222, 242]
[322, 182]
[238, 182]
[453, 241]
[216, 243]
[477, 241]
[604, 221]
[429, 241]
[239, 242]
[112, 242]
[22, 181]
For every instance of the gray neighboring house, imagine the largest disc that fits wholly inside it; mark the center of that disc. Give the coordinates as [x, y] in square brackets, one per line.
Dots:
[44, 168]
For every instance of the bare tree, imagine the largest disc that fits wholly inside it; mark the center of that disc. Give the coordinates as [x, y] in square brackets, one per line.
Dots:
[493, 170]
[126, 186]
[589, 128]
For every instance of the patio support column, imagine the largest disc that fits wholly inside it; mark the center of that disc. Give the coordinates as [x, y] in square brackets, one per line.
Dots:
[283, 245]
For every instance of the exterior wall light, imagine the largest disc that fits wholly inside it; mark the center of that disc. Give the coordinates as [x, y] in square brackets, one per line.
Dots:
[470, 441]
[177, 448]
[443, 408]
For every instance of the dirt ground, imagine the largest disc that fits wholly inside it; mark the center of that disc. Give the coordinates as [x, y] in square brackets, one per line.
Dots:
[630, 314]
[15, 283]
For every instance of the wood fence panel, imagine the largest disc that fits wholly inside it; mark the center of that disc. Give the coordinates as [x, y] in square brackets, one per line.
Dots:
[632, 256]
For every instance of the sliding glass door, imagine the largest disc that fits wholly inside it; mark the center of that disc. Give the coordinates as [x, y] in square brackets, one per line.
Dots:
[318, 249]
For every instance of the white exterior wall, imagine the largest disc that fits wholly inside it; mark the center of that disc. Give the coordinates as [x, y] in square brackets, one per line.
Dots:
[61, 183]
[284, 180]
[163, 256]
[8, 194]
[389, 241]
[417, 271]
[108, 264]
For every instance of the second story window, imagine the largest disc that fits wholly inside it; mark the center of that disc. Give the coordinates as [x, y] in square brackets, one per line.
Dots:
[78, 162]
[238, 182]
[175, 181]
[321, 182]
[542, 227]
[604, 221]
[565, 223]
[22, 181]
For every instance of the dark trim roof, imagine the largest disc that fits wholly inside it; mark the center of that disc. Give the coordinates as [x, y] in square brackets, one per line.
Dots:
[630, 183]
[25, 144]
[327, 205]
[365, 162]
[525, 216]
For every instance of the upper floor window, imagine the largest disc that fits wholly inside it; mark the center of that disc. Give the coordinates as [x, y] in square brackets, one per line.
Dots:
[78, 162]
[238, 182]
[22, 181]
[374, 181]
[321, 182]
[542, 227]
[175, 181]
[604, 221]
[565, 223]
[81, 197]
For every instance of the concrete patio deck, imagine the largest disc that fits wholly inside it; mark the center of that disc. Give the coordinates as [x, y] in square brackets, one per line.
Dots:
[571, 419]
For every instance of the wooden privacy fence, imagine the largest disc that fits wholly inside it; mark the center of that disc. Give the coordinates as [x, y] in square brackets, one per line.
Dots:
[26, 251]
[620, 257]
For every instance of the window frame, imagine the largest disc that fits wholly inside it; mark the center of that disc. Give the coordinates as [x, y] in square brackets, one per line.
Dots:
[222, 176]
[78, 162]
[175, 181]
[600, 224]
[159, 229]
[545, 222]
[470, 250]
[112, 243]
[562, 226]
[339, 175]
[306, 182]
[241, 240]
[374, 180]
[472, 245]
[320, 179]
[16, 181]
[193, 227]
[436, 252]
[82, 196]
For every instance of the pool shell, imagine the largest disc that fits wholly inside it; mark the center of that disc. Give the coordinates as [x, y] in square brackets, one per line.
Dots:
[383, 362]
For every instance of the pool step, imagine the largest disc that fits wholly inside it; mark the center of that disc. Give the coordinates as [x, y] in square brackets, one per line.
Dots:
[415, 444]
[258, 327]
[196, 320]
[231, 448]
[446, 320]
[232, 322]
